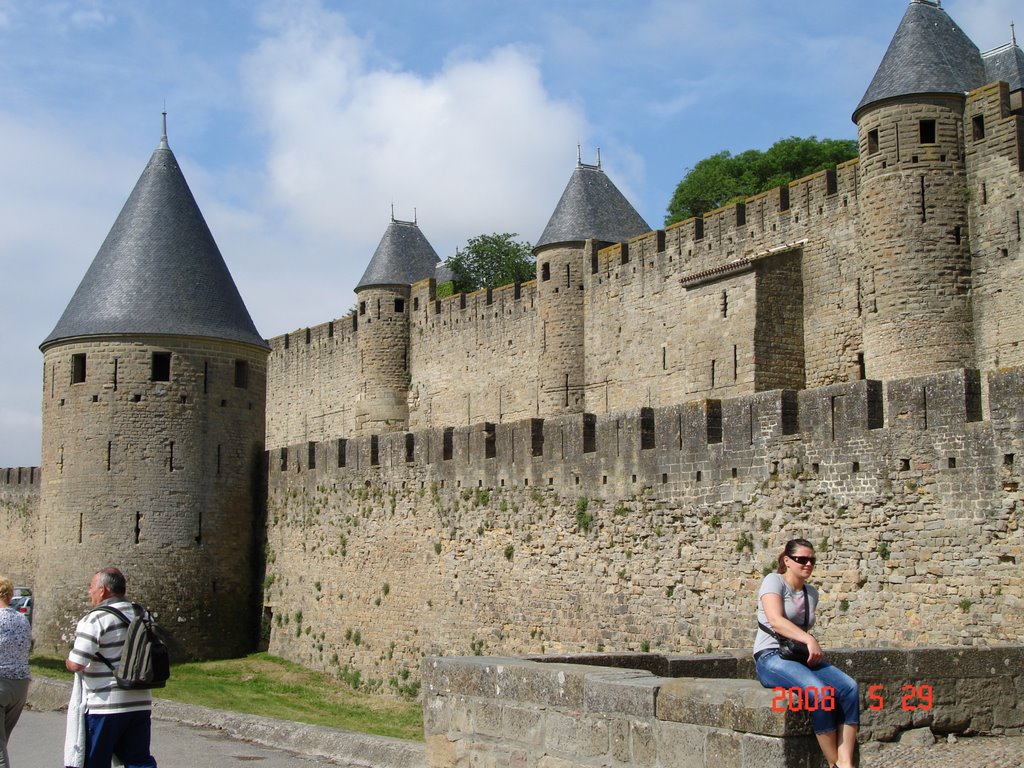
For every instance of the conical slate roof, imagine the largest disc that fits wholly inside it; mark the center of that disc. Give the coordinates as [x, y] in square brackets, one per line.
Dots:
[1005, 63]
[591, 207]
[159, 270]
[928, 54]
[403, 257]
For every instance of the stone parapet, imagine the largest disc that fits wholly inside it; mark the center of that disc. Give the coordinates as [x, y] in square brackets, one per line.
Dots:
[565, 711]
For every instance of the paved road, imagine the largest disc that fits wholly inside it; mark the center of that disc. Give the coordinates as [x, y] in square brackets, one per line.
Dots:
[38, 742]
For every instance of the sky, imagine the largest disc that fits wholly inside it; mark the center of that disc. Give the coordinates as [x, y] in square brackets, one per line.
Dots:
[301, 124]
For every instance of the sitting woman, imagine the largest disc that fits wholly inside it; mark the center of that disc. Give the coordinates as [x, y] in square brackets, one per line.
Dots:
[786, 609]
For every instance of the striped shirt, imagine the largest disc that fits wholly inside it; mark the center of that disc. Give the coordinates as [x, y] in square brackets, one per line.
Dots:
[100, 632]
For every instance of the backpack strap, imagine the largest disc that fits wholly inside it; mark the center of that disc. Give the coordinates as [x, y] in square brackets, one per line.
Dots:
[112, 610]
[803, 626]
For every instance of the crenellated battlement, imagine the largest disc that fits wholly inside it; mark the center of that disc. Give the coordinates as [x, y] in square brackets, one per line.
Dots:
[460, 308]
[340, 331]
[26, 477]
[845, 433]
[770, 221]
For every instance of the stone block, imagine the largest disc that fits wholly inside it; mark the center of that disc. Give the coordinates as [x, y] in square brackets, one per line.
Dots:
[543, 684]
[521, 725]
[708, 665]
[466, 675]
[621, 692]
[441, 752]
[741, 705]
[771, 752]
[725, 748]
[561, 733]
[871, 665]
[486, 717]
[680, 745]
[926, 664]
[592, 736]
[643, 746]
[436, 715]
[618, 732]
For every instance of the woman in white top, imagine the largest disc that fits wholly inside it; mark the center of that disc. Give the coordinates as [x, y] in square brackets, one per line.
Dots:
[786, 605]
[15, 643]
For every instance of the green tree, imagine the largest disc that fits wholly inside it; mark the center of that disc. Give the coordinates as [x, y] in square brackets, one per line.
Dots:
[489, 261]
[724, 178]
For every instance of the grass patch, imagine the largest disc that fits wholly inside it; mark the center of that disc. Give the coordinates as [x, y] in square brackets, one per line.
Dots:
[268, 686]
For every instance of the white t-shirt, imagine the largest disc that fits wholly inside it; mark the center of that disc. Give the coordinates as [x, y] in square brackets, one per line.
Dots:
[101, 632]
[792, 608]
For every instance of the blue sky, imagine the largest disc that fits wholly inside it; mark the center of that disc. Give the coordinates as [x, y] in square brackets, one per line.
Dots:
[298, 123]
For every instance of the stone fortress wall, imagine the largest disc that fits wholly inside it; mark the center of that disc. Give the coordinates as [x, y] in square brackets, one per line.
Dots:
[697, 309]
[650, 529]
[609, 456]
[19, 513]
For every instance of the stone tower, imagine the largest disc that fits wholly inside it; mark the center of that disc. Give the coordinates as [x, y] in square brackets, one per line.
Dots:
[915, 287]
[154, 394]
[403, 257]
[591, 213]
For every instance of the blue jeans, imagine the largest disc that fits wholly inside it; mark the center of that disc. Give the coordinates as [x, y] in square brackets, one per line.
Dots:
[775, 672]
[125, 734]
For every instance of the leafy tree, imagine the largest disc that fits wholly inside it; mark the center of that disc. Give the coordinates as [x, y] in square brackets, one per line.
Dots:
[723, 178]
[489, 261]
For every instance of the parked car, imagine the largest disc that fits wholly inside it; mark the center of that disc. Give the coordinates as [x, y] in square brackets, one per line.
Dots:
[23, 604]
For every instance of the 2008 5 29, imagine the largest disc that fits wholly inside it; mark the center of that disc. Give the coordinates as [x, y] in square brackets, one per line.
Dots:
[809, 699]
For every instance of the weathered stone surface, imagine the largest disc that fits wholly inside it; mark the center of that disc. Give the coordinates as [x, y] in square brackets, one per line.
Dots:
[739, 705]
[561, 684]
[680, 745]
[724, 749]
[621, 692]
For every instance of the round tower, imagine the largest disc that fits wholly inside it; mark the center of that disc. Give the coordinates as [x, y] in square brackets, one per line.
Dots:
[154, 395]
[591, 213]
[913, 199]
[402, 258]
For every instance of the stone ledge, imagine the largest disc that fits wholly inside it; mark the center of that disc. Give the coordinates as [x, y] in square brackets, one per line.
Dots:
[743, 706]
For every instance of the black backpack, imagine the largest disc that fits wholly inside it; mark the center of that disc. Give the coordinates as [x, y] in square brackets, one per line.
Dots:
[145, 662]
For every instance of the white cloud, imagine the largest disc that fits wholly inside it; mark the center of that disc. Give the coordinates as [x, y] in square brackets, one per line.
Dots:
[475, 147]
[61, 193]
[90, 18]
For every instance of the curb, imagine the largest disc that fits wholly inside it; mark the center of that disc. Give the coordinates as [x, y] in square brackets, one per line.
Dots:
[359, 749]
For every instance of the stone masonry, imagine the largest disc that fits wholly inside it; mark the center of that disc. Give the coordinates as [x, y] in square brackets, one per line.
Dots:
[606, 458]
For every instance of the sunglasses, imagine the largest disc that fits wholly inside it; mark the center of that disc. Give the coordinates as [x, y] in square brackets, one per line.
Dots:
[802, 559]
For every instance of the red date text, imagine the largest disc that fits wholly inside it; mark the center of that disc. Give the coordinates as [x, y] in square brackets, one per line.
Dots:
[811, 699]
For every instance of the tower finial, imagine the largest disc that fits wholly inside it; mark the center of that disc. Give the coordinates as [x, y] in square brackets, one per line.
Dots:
[163, 133]
[1013, 32]
[392, 211]
[579, 155]
[599, 158]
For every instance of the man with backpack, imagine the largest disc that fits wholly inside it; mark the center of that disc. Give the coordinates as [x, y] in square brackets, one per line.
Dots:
[117, 719]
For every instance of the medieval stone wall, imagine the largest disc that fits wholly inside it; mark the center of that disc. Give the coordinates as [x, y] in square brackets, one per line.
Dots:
[19, 513]
[671, 315]
[473, 357]
[312, 383]
[651, 529]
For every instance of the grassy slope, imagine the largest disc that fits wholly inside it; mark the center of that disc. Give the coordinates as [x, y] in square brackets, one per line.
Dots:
[271, 687]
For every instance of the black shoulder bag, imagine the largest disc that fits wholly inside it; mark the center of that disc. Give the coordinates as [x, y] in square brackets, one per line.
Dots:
[790, 649]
